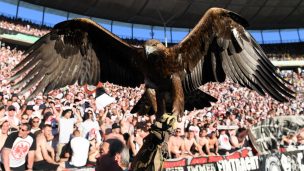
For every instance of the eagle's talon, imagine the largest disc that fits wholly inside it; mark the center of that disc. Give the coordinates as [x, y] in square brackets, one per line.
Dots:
[169, 119]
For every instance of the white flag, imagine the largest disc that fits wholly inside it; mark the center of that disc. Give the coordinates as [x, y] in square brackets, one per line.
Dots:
[104, 100]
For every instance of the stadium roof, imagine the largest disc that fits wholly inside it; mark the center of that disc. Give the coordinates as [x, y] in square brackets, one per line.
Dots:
[261, 14]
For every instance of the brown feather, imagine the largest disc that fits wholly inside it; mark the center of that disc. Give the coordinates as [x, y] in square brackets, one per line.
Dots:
[220, 41]
[218, 46]
[79, 50]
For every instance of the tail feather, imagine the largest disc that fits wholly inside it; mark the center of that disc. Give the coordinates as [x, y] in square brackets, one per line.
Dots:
[194, 100]
[144, 105]
[198, 99]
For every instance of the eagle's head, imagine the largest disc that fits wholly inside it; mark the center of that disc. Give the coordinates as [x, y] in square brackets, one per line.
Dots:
[154, 47]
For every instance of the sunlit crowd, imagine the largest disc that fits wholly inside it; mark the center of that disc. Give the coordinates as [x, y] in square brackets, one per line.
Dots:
[65, 129]
[22, 26]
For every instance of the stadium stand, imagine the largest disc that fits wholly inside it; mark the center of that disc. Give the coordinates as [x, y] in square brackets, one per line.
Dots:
[238, 109]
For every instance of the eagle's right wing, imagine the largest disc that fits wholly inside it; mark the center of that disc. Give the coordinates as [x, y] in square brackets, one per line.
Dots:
[220, 46]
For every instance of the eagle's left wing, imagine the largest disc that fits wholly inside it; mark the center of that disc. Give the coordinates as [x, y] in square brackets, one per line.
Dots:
[81, 51]
[218, 46]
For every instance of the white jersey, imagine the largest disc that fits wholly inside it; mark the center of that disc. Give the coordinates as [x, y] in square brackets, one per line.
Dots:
[80, 147]
[88, 127]
[66, 128]
[224, 142]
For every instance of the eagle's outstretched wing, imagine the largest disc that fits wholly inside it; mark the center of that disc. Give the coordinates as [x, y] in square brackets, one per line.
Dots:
[218, 46]
[78, 50]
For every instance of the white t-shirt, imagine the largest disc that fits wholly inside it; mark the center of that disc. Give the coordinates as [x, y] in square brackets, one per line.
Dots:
[90, 126]
[66, 128]
[80, 147]
[19, 148]
[224, 142]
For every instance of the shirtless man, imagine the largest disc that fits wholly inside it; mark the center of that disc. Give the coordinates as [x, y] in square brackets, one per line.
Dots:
[234, 140]
[136, 141]
[176, 146]
[43, 159]
[213, 144]
[203, 141]
[300, 137]
[190, 142]
[126, 124]
[93, 151]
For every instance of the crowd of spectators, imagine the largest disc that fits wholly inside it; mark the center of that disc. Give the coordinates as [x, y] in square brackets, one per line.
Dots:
[71, 112]
[277, 52]
[64, 129]
[26, 27]
[284, 51]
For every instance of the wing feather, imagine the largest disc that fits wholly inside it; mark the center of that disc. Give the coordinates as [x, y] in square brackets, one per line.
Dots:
[241, 74]
[231, 69]
[268, 71]
[220, 43]
[39, 88]
[247, 71]
[36, 78]
[79, 50]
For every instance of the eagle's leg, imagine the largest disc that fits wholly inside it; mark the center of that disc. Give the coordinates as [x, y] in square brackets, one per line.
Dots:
[169, 119]
[150, 93]
[177, 96]
[161, 106]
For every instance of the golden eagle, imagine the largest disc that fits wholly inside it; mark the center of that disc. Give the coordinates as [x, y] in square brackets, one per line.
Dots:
[82, 51]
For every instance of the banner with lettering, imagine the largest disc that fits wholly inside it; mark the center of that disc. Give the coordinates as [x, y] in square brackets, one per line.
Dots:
[267, 134]
[240, 161]
[209, 163]
[287, 161]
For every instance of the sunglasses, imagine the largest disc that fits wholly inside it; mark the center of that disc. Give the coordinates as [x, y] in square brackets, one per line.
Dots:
[35, 121]
[23, 130]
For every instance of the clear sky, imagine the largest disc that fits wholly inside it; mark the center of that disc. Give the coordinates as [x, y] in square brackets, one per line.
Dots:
[124, 30]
